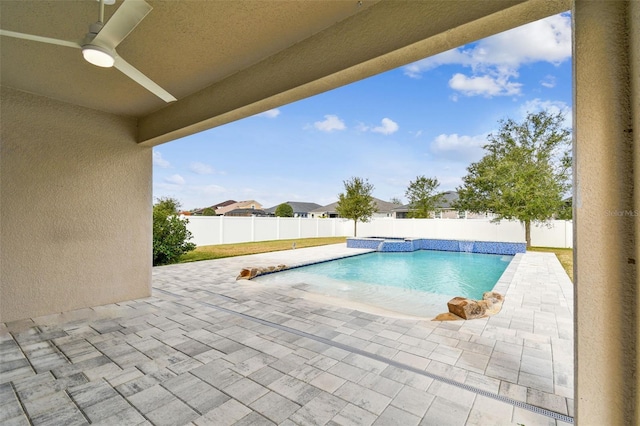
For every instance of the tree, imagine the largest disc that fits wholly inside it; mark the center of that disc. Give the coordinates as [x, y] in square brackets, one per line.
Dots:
[284, 210]
[170, 233]
[525, 173]
[395, 200]
[168, 204]
[566, 210]
[208, 211]
[422, 197]
[357, 202]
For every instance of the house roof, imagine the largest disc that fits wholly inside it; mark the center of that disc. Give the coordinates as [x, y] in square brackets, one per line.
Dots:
[215, 206]
[382, 206]
[450, 197]
[223, 204]
[298, 207]
[245, 212]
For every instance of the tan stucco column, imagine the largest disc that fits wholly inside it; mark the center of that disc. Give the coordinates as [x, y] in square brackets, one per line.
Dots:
[607, 210]
[75, 217]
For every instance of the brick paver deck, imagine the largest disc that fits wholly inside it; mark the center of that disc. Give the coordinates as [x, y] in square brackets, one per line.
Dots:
[208, 350]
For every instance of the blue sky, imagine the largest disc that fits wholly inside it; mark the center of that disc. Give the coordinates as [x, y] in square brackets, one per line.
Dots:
[428, 118]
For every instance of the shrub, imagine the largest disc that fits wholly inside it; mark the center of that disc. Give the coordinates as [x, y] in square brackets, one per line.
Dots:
[170, 233]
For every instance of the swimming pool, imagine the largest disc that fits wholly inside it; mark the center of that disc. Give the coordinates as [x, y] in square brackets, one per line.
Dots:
[414, 283]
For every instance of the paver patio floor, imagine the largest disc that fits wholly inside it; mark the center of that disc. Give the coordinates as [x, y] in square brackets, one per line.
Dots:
[206, 349]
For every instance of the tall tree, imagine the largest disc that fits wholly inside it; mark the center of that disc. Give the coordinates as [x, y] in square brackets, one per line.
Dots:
[356, 202]
[423, 200]
[525, 173]
[284, 210]
[396, 200]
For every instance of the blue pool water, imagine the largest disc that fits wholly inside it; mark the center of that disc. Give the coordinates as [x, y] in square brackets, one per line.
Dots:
[414, 283]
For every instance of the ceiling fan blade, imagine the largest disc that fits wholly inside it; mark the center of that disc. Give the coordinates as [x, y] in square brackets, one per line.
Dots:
[123, 21]
[41, 39]
[142, 80]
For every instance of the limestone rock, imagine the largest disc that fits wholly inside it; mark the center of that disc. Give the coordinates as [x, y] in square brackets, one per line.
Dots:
[466, 308]
[493, 296]
[249, 273]
[447, 316]
[493, 301]
[463, 308]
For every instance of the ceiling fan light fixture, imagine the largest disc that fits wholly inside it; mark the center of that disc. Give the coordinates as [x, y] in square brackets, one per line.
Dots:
[98, 56]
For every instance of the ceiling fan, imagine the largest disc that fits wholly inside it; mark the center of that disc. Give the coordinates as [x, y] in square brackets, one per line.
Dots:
[99, 44]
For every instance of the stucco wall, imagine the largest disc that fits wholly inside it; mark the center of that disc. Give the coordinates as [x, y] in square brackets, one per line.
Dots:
[75, 191]
[606, 220]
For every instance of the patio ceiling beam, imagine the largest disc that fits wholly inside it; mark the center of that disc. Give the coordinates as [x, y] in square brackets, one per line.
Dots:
[380, 38]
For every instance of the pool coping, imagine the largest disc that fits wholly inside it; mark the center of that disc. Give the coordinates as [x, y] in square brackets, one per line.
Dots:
[408, 244]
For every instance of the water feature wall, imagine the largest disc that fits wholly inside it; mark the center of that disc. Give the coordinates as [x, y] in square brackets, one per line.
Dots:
[411, 244]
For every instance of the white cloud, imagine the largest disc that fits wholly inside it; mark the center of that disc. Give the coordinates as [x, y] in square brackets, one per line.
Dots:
[485, 85]
[499, 57]
[549, 81]
[200, 168]
[388, 127]
[547, 40]
[456, 147]
[159, 161]
[175, 179]
[272, 113]
[330, 123]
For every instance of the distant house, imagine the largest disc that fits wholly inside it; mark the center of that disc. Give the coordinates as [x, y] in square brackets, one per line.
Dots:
[444, 210]
[215, 207]
[385, 210]
[299, 209]
[248, 204]
[224, 207]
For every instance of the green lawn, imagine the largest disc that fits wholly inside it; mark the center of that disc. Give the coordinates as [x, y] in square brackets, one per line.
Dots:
[241, 249]
[564, 255]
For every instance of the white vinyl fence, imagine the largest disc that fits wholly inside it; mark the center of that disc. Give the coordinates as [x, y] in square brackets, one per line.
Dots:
[211, 230]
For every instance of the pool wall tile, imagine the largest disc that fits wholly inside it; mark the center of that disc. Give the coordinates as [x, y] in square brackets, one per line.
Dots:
[412, 244]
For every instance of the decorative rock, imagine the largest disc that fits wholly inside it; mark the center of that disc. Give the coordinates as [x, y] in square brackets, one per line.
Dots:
[494, 302]
[463, 308]
[249, 273]
[447, 316]
[466, 308]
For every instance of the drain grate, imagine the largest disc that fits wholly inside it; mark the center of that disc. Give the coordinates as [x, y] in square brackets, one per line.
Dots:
[538, 410]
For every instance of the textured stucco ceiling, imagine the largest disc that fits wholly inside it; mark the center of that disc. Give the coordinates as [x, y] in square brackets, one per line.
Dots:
[183, 46]
[224, 60]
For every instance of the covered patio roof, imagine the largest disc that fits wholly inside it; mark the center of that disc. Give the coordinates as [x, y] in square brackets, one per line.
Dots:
[226, 60]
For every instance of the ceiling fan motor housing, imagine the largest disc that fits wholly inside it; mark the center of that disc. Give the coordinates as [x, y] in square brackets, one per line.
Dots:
[94, 53]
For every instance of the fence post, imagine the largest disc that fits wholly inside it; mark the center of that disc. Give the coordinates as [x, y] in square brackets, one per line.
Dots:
[221, 225]
[253, 228]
